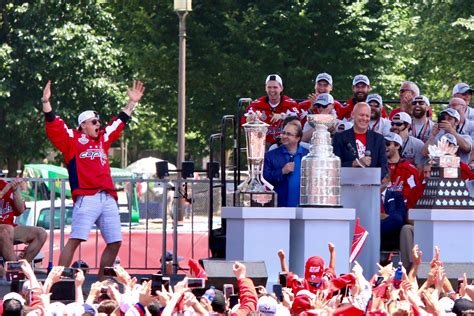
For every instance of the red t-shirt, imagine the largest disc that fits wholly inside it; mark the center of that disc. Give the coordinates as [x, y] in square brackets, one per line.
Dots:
[7, 206]
[361, 144]
[404, 175]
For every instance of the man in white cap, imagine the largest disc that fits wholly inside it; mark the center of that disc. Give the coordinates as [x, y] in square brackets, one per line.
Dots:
[464, 91]
[323, 84]
[377, 122]
[273, 108]
[422, 124]
[404, 176]
[465, 126]
[324, 104]
[85, 155]
[448, 120]
[412, 147]
[360, 88]
[408, 91]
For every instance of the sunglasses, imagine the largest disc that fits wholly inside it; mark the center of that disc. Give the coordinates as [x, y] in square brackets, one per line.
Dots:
[318, 105]
[387, 144]
[288, 134]
[374, 104]
[405, 90]
[95, 121]
[418, 102]
[397, 123]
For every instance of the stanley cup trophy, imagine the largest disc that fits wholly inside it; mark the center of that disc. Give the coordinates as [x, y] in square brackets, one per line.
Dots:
[321, 169]
[252, 192]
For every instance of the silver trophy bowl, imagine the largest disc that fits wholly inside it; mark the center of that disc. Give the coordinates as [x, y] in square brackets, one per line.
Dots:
[321, 169]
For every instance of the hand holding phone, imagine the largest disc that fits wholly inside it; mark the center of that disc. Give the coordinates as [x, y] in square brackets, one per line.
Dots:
[13, 266]
[110, 271]
[228, 290]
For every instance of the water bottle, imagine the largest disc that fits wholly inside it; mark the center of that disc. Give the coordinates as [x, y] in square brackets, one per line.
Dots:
[397, 279]
[210, 294]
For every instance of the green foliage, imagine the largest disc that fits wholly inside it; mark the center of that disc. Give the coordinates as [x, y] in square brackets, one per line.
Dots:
[73, 45]
[92, 49]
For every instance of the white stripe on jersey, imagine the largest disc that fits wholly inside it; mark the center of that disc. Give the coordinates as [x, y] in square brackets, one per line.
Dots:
[111, 128]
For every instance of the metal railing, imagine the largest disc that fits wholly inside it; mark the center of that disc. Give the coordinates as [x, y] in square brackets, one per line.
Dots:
[152, 200]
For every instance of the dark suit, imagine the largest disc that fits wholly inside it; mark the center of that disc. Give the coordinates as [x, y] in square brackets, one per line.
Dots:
[347, 153]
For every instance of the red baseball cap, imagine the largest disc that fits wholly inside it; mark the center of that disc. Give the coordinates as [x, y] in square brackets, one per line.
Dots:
[314, 269]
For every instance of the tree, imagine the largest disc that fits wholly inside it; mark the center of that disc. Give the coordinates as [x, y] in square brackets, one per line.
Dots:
[70, 44]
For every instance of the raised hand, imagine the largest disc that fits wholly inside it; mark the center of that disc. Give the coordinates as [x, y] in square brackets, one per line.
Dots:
[46, 92]
[240, 270]
[136, 92]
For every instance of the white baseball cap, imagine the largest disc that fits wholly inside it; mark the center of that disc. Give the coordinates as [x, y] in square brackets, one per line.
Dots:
[274, 77]
[324, 99]
[324, 76]
[422, 98]
[86, 115]
[452, 112]
[402, 116]
[361, 78]
[374, 97]
[461, 88]
[393, 137]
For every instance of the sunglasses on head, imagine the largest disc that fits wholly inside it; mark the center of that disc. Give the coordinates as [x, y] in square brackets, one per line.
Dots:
[397, 123]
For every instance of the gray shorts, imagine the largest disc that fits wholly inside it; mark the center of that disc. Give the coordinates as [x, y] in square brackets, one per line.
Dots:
[100, 209]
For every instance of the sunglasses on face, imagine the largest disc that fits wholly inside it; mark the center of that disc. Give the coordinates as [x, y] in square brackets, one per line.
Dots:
[397, 124]
[95, 121]
[374, 104]
[387, 144]
[318, 105]
[418, 102]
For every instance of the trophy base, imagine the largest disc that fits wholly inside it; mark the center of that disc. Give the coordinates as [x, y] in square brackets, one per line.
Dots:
[319, 206]
[256, 199]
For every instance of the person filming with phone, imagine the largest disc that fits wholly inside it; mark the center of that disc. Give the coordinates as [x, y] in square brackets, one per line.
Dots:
[11, 205]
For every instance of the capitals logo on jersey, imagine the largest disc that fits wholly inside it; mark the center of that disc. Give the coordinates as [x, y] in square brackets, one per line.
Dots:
[93, 153]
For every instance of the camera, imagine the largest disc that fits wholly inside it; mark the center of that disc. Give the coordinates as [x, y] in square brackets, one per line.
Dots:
[228, 290]
[196, 283]
[157, 280]
[441, 118]
[13, 266]
[109, 271]
[278, 290]
[283, 279]
[68, 273]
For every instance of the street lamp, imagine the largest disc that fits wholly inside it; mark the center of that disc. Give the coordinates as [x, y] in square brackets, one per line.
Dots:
[182, 8]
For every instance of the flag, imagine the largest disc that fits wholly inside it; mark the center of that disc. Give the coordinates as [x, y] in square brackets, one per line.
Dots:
[358, 240]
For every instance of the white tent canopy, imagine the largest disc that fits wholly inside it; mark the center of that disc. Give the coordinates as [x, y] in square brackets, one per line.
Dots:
[146, 167]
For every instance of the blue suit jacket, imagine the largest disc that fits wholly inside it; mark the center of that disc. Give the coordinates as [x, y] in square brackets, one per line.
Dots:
[375, 143]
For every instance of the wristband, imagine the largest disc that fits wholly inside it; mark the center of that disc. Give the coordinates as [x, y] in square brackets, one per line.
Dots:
[44, 101]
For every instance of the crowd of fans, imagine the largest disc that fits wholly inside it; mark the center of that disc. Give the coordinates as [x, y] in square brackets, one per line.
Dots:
[392, 291]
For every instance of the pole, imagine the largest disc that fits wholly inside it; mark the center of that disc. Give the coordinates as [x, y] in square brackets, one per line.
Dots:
[181, 94]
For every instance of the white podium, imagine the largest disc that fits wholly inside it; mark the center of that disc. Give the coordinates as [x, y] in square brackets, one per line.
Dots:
[255, 234]
[360, 189]
[450, 229]
[311, 231]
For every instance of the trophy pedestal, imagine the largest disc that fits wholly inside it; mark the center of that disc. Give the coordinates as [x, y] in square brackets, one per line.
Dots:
[257, 233]
[360, 189]
[256, 199]
[452, 230]
[311, 231]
